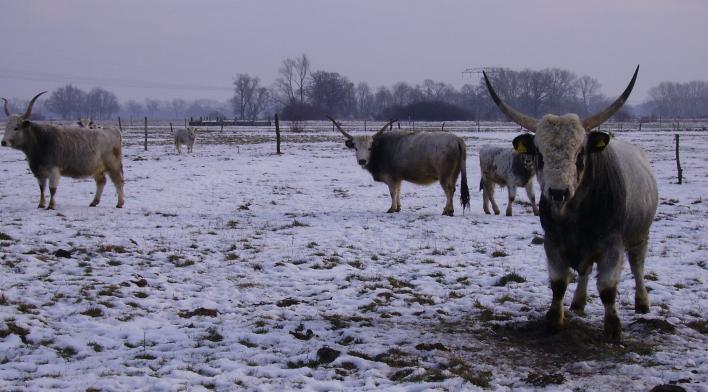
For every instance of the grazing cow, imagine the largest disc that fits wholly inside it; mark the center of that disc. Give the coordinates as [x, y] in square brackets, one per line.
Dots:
[53, 151]
[86, 124]
[598, 201]
[185, 136]
[504, 167]
[417, 157]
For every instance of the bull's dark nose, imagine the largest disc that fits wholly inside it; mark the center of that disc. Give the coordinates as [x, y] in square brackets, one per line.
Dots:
[559, 194]
[362, 161]
[4, 143]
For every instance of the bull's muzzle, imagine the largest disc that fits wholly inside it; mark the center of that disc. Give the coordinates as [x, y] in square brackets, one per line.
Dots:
[361, 161]
[4, 143]
[559, 195]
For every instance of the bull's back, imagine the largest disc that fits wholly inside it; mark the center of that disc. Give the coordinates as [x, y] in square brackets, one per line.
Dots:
[641, 190]
[423, 157]
[82, 152]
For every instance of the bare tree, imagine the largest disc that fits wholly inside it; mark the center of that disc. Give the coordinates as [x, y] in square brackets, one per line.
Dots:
[245, 88]
[302, 70]
[178, 106]
[152, 106]
[364, 101]
[101, 104]
[67, 102]
[285, 84]
[587, 87]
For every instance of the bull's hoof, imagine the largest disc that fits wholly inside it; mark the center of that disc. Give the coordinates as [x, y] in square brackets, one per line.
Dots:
[496, 212]
[119, 205]
[508, 213]
[391, 211]
[448, 213]
[93, 204]
[50, 207]
[398, 209]
[535, 213]
[613, 329]
[554, 321]
[578, 308]
[41, 205]
[641, 306]
[487, 212]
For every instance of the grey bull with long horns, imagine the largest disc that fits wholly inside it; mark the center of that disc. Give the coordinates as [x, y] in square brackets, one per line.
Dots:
[54, 151]
[418, 157]
[598, 201]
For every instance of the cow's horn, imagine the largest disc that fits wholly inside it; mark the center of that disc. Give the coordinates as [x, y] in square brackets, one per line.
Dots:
[525, 121]
[31, 103]
[595, 121]
[388, 124]
[336, 124]
[7, 112]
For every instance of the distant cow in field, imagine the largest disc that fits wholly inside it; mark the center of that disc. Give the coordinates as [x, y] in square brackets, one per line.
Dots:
[504, 167]
[417, 157]
[185, 136]
[53, 151]
[598, 201]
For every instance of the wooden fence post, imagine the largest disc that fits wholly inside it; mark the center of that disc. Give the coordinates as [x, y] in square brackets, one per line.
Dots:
[120, 126]
[146, 133]
[172, 130]
[277, 134]
[678, 162]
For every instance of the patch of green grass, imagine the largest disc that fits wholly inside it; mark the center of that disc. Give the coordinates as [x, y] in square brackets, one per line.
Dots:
[95, 346]
[66, 352]
[93, 312]
[5, 237]
[247, 343]
[499, 253]
[111, 249]
[213, 335]
[510, 277]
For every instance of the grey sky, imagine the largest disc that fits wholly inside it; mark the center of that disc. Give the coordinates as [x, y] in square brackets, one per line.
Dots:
[206, 43]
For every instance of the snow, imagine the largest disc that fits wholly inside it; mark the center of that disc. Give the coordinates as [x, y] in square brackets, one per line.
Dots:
[229, 268]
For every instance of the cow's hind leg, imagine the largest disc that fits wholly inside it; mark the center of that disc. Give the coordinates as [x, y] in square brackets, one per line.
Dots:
[532, 196]
[449, 188]
[100, 183]
[636, 255]
[608, 273]
[512, 197]
[42, 185]
[398, 197]
[580, 296]
[54, 177]
[116, 176]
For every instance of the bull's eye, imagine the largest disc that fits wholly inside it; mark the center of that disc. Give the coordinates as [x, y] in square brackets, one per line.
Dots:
[539, 160]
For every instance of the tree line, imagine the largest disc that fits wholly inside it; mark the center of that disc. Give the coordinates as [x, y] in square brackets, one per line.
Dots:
[303, 93]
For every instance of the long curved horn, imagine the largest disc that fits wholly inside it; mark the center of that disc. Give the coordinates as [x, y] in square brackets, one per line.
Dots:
[595, 121]
[7, 112]
[31, 103]
[388, 124]
[525, 121]
[336, 124]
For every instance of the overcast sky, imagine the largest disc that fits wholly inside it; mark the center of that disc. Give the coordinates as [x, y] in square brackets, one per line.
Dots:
[140, 48]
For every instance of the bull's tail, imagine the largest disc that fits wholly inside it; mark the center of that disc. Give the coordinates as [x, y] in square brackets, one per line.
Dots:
[481, 183]
[464, 190]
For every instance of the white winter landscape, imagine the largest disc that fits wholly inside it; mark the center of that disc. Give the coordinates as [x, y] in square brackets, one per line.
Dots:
[233, 268]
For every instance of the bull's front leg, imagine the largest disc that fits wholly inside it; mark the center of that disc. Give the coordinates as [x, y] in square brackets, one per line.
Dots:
[608, 274]
[558, 272]
[42, 181]
[512, 197]
[532, 196]
[54, 177]
[580, 295]
[392, 190]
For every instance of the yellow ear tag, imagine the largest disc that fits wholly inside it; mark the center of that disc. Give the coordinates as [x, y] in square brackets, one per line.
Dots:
[521, 149]
[600, 143]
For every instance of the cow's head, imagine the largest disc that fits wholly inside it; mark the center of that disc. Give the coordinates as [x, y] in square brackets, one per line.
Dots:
[17, 124]
[361, 144]
[192, 132]
[560, 145]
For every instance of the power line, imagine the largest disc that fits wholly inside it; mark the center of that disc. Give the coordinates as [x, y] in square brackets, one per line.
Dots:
[38, 76]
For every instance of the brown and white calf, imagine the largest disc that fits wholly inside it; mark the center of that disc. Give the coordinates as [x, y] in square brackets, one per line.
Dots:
[54, 151]
[504, 167]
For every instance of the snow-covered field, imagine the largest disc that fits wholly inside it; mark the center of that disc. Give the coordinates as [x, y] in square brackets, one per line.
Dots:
[234, 268]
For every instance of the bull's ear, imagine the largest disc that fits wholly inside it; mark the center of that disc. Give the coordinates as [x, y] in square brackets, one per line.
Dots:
[523, 144]
[597, 141]
[349, 143]
[25, 123]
